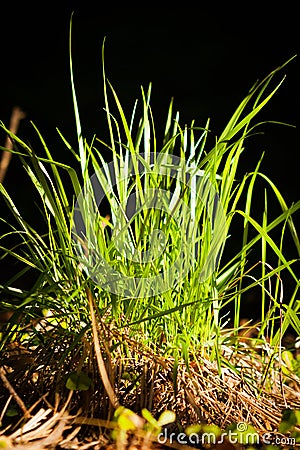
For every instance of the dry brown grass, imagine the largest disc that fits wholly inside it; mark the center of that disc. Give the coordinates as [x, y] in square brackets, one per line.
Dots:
[57, 418]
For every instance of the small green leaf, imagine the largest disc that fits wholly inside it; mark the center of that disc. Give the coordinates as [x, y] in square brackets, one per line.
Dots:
[166, 417]
[289, 416]
[284, 427]
[127, 419]
[78, 381]
[5, 442]
[193, 429]
[12, 411]
[214, 429]
[150, 419]
[125, 423]
[119, 411]
[289, 420]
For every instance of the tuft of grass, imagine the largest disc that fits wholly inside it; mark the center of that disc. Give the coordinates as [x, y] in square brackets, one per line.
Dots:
[153, 279]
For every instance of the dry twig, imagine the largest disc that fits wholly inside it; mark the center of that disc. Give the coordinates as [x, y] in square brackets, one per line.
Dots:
[16, 116]
[13, 393]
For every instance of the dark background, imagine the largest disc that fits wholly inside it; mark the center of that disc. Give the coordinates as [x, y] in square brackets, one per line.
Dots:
[207, 58]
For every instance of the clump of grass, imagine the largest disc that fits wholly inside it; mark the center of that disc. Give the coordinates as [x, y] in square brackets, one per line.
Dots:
[150, 287]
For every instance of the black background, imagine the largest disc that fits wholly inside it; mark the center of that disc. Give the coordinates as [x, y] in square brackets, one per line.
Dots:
[207, 58]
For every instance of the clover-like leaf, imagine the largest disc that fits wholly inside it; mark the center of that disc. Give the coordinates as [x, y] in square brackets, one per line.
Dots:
[78, 381]
[166, 417]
